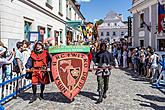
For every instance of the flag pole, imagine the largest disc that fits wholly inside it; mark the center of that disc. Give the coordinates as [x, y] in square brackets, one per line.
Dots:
[157, 20]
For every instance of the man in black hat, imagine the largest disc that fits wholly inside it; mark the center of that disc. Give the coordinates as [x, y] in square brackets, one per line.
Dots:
[38, 61]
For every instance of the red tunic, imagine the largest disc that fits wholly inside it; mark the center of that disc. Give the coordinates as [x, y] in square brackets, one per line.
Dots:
[89, 58]
[40, 61]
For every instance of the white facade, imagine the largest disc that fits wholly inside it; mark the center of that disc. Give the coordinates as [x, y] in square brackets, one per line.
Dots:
[112, 27]
[148, 11]
[47, 15]
[74, 14]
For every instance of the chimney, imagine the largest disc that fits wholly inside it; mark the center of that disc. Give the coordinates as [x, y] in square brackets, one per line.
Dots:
[77, 5]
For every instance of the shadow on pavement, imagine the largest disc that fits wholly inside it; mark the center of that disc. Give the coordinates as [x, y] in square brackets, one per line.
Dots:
[89, 95]
[130, 73]
[152, 97]
[162, 90]
[135, 76]
[57, 96]
[52, 96]
[150, 105]
[139, 79]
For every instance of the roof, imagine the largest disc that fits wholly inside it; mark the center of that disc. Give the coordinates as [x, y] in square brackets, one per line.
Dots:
[113, 16]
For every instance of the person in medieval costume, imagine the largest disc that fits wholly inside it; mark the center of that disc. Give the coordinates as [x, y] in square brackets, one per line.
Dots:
[39, 60]
[104, 60]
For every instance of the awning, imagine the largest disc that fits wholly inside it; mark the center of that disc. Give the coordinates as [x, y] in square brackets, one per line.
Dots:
[74, 23]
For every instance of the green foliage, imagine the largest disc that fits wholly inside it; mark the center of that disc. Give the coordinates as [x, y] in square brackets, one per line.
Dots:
[99, 22]
[95, 32]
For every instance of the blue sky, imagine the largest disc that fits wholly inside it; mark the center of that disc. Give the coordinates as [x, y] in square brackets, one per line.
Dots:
[97, 9]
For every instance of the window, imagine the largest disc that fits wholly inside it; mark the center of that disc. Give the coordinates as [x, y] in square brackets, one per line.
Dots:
[102, 34]
[107, 33]
[122, 33]
[141, 43]
[42, 31]
[60, 35]
[114, 33]
[108, 24]
[48, 32]
[115, 24]
[75, 16]
[60, 6]
[142, 20]
[56, 35]
[161, 44]
[70, 12]
[67, 11]
[27, 29]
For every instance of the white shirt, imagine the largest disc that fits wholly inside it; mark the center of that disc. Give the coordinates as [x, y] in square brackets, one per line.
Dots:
[25, 55]
[154, 60]
[19, 55]
[124, 54]
[129, 54]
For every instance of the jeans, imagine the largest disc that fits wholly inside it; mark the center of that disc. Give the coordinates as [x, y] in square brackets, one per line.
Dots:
[125, 62]
[154, 74]
[162, 74]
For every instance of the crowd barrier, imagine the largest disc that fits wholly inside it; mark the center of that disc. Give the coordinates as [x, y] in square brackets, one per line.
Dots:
[12, 85]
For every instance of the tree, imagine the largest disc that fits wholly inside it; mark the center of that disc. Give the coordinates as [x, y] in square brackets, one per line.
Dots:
[95, 31]
[99, 22]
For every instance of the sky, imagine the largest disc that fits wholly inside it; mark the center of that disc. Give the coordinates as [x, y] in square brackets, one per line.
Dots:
[97, 9]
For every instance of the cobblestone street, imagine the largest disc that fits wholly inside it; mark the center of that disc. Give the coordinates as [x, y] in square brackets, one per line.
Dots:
[125, 93]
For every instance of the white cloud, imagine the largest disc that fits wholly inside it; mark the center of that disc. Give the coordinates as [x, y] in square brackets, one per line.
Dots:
[83, 1]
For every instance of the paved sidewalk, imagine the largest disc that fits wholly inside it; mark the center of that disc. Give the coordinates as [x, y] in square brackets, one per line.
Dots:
[125, 93]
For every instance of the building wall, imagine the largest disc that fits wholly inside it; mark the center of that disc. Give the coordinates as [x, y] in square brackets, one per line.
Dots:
[150, 9]
[153, 25]
[12, 19]
[135, 29]
[141, 33]
[111, 36]
[146, 19]
[54, 4]
[112, 23]
[74, 10]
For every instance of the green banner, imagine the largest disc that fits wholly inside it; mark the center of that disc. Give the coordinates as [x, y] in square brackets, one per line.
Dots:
[61, 49]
